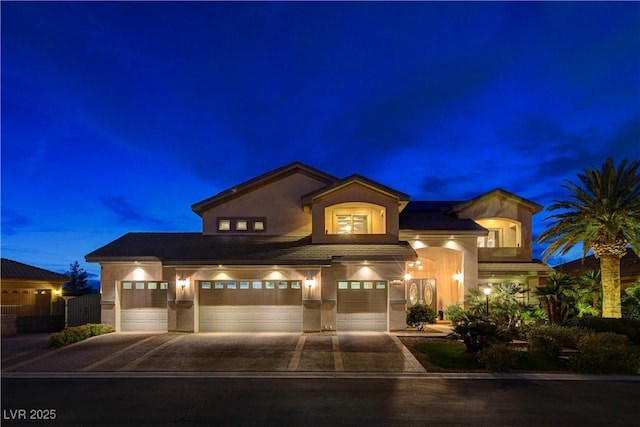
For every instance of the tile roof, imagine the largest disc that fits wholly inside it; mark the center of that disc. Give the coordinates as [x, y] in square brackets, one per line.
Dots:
[202, 249]
[308, 198]
[16, 270]
[436, 216]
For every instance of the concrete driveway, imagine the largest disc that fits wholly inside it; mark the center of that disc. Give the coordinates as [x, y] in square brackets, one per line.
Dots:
[213, 352]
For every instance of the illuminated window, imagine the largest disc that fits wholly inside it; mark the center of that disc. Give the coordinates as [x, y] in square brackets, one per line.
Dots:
[241, 225]
[224, 224]
[355, 218]
[206, 285]
[244, 285]
[502, 233]
[256, 285]
[258, 226]
[352, 224]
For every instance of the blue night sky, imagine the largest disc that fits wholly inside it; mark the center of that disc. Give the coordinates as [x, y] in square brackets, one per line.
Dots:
[116, 117]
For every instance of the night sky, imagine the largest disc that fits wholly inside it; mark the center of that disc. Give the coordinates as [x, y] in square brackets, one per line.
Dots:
[116, 117]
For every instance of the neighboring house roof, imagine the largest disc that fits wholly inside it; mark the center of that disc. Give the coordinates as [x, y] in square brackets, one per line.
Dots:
[264, 179]
[16, 270]
[499, 192]
[629, 265]
[337, 185]
[435, 216]
[202, 249]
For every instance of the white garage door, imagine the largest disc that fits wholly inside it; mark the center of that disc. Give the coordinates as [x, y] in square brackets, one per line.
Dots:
[143, 306]
[143, 319]
[251, 318]
[362, 306]
[250, 306]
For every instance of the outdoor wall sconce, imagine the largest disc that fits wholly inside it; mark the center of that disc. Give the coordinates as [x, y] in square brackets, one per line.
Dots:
[458, 276]
[182, 282]
[310, 282]
[407, 276]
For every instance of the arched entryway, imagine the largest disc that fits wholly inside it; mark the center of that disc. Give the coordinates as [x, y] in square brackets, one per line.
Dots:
[433, 278]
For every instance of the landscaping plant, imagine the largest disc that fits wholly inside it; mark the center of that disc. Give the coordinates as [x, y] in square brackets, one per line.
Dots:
[420, 314]
[499, 357]
[478, 332]
[604, 353]
[78, 333]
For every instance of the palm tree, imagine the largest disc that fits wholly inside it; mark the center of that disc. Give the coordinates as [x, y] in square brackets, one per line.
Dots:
[558, 296]
[604, 214]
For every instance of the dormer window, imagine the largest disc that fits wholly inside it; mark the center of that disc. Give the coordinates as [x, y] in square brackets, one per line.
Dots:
[355, 218]
[352, 224]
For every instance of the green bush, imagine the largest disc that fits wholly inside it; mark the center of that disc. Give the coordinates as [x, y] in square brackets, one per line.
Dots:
[454, 313]
[630, 303]
[628, 327]
[499, 357]
[604, 353]
[548, 340]
[478, 332]
[78, 333]
[420, 314]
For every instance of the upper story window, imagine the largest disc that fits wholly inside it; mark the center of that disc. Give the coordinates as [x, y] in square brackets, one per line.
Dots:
[355, 218]
[242, 225]
[503, 233]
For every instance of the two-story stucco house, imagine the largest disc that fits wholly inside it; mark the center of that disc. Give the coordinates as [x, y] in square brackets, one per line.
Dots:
[297, 249]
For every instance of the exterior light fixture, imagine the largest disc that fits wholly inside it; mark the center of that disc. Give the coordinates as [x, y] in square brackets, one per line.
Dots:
[309, 282]
[182, 282]
[487, 292]
[458, 276]
[407, 276]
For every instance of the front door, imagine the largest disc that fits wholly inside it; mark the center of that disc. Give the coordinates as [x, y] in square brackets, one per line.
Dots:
[421, 291]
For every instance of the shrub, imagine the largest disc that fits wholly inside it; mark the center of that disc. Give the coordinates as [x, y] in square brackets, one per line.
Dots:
[478, 332]
[78, 333]
[454, 313]
[628, 327]
[604, 353]
[548, 340]
[420, 314]
[499, 357]
[630, 303]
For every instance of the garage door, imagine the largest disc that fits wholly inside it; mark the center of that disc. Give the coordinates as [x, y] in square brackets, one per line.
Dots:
[362, 306]
[143, 306]
[250, 306]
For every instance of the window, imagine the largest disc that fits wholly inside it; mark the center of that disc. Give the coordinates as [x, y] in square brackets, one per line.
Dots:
[502, 233]
[231, 285]
[127, 285]
[269, 285]
[205, 285]
[368, 285]
[295, 284]
[282, 285]
[256, 285]
[152, 285]
[242, 225]
[219, 285]
[381, 285]
[343, 285]
[355, 218]
[244, 285]
[355, 285]
[352, 224]
[139, 285]
[164, 285]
